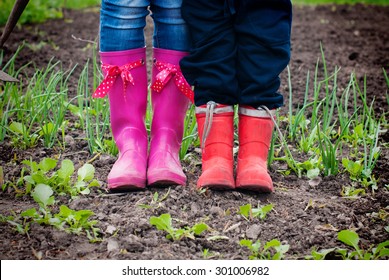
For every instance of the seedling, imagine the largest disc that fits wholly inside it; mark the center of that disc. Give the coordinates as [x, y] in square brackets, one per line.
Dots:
[164, 222]
[351, 239]
[250, 213]
[272, 250]
[69, 220]
[155, 201]
[59, 180]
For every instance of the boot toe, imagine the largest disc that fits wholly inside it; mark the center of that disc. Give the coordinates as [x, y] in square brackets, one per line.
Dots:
[255, 179]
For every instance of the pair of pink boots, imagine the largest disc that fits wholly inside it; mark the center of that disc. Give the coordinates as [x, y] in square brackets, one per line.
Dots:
[125, 82]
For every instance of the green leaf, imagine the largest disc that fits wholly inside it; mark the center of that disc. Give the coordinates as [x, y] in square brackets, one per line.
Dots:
[199, 228]
[163, 222]
[64, 211]
[263, 211]
[246, 242]
[29, 179]
[39, 178]
[349, 238]
[313, 173]
[86, 172]
[272, 243]
[47, 164]
[66, 170]
[47, 129]
[321, 255]
[42, 194]
[94, 183]
[245, 210]
[18, 128]
[31, 213]
[155, 197]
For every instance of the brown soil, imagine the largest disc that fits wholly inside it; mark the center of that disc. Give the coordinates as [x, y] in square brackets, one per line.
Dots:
[306, 217]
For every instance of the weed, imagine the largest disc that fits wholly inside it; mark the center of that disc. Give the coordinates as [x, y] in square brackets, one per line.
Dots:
[351, 239]
[164, 222]
[59, 180]
[250, 213]
[272, 250]
[155, 201]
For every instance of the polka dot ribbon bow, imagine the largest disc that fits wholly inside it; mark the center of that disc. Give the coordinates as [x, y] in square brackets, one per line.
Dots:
[112, 72]
[167, 72]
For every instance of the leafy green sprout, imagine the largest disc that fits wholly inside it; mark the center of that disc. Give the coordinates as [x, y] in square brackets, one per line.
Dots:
[155, 201]
[351, 239]
[272, 250]
[250, 213]
[60, 180]
[164, 223]
[71, 221]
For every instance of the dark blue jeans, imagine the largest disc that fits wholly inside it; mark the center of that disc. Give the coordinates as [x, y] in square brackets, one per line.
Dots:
[122, 23]
[238, 49]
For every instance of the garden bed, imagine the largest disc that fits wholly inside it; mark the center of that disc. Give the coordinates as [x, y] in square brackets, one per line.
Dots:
[307, 213]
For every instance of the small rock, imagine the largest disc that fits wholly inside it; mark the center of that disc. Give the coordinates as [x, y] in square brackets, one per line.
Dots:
[110, 229]
[112, 245]
[253, 232]
[216, 211]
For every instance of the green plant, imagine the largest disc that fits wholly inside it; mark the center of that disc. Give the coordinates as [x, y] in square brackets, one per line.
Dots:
[351, 239]
[155, 201]
[67, 219]
[272, 250]
[59, 180]
[41, 10]
[40, 111]
[250, 213]
[190, 137]
[164, 222]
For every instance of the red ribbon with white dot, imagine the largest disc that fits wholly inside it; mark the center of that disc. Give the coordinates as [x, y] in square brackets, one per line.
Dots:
[167, 72]
[112, 72]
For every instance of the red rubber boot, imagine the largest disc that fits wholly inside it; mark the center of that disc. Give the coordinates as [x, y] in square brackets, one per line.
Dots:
[255, 133]
[216, 131]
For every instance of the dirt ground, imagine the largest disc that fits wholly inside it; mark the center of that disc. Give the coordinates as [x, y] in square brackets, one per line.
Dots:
[305, 217]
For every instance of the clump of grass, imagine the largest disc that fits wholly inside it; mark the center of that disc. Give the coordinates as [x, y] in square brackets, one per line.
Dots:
[326, 133]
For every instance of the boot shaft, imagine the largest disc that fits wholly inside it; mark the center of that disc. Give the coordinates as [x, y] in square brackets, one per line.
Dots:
[128, 93]
[216, 131]
[169, 104]
[255, 132]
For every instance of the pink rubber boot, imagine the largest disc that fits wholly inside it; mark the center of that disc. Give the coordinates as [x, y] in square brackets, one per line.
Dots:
[126, 82]
[169, 109]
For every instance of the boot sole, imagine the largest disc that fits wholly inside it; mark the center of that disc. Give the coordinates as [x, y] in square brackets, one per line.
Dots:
[256, 187]
[124, 185]
[217, 187]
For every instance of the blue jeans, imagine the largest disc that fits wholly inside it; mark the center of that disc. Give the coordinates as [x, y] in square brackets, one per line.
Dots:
[122, 24]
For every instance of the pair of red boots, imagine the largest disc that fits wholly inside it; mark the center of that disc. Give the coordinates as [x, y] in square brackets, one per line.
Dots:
[216, 131]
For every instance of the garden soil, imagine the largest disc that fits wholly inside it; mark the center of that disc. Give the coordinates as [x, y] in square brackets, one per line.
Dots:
[307, 215]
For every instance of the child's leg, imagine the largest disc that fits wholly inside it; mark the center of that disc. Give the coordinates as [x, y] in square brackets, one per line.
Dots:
[170, 42]
[263, 36]
[211, 65]
[263, 32]
[170, 30]
[123, 57]
[122, 23]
